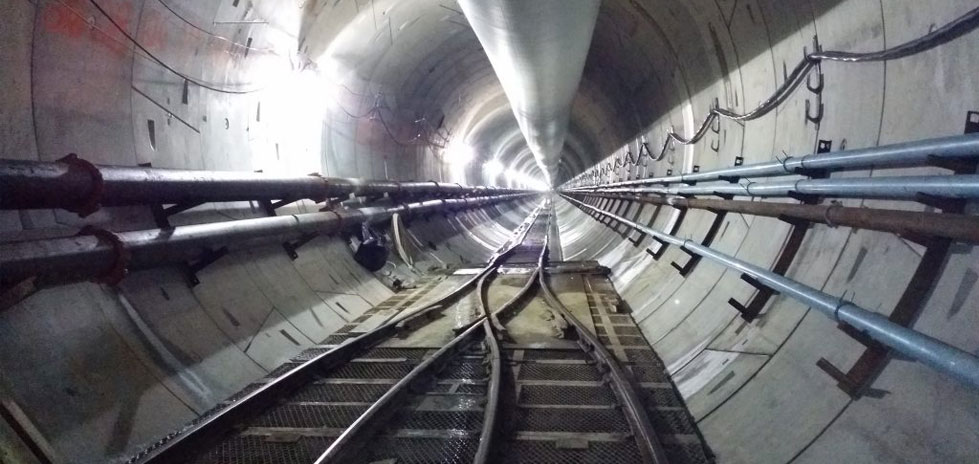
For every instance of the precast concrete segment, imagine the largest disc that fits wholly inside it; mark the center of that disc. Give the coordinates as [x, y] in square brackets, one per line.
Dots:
[942, 357]
[196, 439]
[538, 52]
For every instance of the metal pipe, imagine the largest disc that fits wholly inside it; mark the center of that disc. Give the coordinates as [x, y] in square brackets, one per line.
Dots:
[942, 357]
[538, 51]
[901, 154]
[77, 185]
[961, 227]
[89, 256]
[896, 188]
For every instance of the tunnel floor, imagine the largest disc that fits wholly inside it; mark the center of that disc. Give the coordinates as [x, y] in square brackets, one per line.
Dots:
[557, 406]
[519, 360]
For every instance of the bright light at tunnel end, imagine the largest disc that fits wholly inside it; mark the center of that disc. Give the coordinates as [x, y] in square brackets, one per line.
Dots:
[459, 154]
[520, 179]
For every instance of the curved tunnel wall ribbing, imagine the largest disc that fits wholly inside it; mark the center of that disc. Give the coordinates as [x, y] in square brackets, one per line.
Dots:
[114, 358]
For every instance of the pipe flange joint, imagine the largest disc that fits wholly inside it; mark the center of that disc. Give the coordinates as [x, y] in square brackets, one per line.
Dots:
[120, 265]
[92, 202]
[326, 187]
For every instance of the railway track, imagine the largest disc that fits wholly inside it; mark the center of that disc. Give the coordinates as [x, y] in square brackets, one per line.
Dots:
[497, 369]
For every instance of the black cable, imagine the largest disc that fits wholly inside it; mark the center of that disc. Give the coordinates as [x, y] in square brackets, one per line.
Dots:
[191, 24]
[947, 33]
[159, 61]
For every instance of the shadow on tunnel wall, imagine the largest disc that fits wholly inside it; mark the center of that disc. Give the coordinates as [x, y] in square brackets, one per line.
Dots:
[649, 57]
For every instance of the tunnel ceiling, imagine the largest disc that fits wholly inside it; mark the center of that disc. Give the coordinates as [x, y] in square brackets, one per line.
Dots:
[425, 59]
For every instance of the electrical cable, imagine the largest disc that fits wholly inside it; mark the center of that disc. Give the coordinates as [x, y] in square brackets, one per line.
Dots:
[161, 62]
[232, 42]
[947, 33]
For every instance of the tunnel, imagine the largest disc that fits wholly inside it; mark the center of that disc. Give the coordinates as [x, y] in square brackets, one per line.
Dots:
[771, 202]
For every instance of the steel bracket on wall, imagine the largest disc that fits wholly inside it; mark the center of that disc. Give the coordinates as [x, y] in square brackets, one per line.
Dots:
[161, 214]
[790, 249]
[292, 246]
[270, 206]
[856, 381]
[662, 244]
[208, 257]
[715, 227]
[754, 307]
[972, 122]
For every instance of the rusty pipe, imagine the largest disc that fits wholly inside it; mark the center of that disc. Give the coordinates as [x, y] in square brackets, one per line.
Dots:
[959, 227]
[79, 186]
[99, 255]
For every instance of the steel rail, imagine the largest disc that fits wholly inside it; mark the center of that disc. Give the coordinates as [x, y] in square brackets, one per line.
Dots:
[79, 186]
[961, 227]
[342, 449]
[491, 408]
[934, 353]
[192, 439]
[368, 422]
[650, 447]
[83, 257]
[901, 154]
[520, 233]
[964, 186]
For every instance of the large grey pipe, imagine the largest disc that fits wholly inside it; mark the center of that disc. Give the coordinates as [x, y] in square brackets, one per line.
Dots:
[538, 50]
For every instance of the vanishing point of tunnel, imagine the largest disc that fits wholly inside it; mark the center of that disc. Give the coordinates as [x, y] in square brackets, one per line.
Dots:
[489, 231]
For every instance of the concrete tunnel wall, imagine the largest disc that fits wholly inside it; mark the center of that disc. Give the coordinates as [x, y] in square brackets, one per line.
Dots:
[126, 365]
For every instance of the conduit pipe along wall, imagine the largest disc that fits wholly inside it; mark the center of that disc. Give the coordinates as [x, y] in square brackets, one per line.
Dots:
[945, 358]
[91, 256]
[936, 150]
[80, 186]
[955, 226]
[538, 50]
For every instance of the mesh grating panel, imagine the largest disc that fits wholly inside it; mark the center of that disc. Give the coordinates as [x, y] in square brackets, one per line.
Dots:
[689, 453]
[256, 450]
[306, 416]
[550, 394]
[630, 340]
[642, 356]
[372, 371]
[393, 353]
[535, 355]
[340, 393]
[661, 397]
[466, 370]
[626, 330]
[545, 452]
[311, 353]
[442, 420]
[244, 392]
[472, 389]
[278, 371]
[336, 339]
[647, 373]
[572, 420]
[620, 319]
[668, 422]
[424, 450]
[558, 372]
